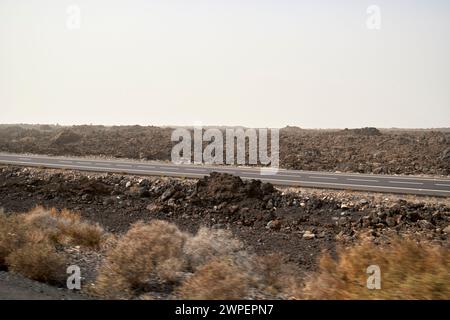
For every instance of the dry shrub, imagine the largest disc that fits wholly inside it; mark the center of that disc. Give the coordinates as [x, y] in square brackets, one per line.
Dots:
[408, 271]
[208, 244]
[11, 236]
[147, 296]
[147, 252]
[275, 275]
[64, 227]
[41, 218]
[150, 256]
[27, 242]
[169, 269]
[38, 261]
[83, 234]
[219, 279]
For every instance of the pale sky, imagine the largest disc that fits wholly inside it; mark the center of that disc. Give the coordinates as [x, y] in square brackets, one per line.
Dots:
[257, 63]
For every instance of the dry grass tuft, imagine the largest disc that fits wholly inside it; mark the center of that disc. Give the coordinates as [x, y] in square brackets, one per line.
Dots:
[28, 241]
[38, 261]
[219, 279]
[65, 227]
[146, 253]
[275, 276]
[408, 271]
[208, 244]
[159, 252]
[12, 237]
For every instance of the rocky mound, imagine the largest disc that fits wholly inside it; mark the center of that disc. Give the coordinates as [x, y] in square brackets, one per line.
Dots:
[218, 187]
[65, 137]
[368, 131]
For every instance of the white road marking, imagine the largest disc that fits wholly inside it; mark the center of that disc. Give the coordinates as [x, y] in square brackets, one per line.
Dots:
[404, 182]
[442, 184]
[196, 170]
[146, 167]
[54, 165]
[124, 165]
[363, 180]
[361, 175]
[266, 174]
[65, 161]
[351, 185]
[101, 164]
[165, 168]
[84, 162]
[319, 177]
[288, 182]
[283, 175]
[215, 168]
[226, 171]
[25, 159]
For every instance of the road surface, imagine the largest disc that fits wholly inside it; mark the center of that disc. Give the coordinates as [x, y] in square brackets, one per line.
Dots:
[349, 181]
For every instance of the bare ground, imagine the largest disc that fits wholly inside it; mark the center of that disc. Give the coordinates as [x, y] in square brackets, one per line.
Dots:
[16, 287]
[299, 223]
[266, 218]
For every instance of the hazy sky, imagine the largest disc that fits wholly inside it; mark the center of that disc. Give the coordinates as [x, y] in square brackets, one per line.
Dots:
[259, 63]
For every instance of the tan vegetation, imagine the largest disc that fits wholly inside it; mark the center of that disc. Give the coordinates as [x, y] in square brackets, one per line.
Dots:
[219, 279]
[159, 252]
[213, 264]
[276, 276]
[408, 271]
[31, 243]
[208, 244]
[223, 270]
[64, 227]
[38, 261]
[11, 238]
[145, 253]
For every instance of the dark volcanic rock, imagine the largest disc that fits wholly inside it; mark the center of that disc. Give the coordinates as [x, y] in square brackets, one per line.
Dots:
[223, 186]
[368, 131]
[65, 137]
[259, 214]
[446, 154]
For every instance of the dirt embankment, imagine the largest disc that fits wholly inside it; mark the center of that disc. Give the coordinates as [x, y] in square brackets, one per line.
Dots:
[366, 150]
[297, 224]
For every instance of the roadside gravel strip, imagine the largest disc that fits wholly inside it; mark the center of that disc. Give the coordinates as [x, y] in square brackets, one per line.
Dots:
[15, 287]
[347, 181]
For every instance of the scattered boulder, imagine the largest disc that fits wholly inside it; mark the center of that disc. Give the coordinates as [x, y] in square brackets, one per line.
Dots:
[308, 235]
[274, 225]
[167, 194]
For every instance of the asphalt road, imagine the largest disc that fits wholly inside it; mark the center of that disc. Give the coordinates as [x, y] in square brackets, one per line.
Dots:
[362, 182]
